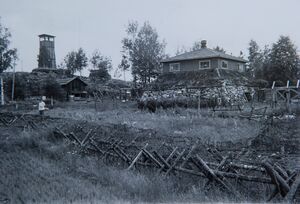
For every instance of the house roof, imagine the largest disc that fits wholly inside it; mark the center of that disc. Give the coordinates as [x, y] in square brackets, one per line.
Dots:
[203, 53]
[65, 81]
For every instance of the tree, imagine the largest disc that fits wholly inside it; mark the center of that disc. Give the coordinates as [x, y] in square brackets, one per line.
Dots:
[52, 89]
[102, 65]
[196, 46]
[124, 65]
[255, 59]
[7, 55]
[181, 50]
[283, 60]
[144, 52]
[76, 61]
[19, 87]
[219, 49]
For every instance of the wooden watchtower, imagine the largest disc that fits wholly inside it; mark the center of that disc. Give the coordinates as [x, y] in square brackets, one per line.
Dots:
[46, 57]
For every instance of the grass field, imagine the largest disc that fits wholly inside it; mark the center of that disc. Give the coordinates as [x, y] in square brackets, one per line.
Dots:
[36, 167]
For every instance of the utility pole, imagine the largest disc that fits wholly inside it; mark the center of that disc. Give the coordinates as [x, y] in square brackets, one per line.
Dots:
[13, 81]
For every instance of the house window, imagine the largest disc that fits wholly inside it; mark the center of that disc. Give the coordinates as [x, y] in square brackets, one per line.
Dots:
[204, 64]
[224, 64]
[175, 67]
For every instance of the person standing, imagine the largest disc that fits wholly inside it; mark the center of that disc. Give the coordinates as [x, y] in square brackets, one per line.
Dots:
[42, 107]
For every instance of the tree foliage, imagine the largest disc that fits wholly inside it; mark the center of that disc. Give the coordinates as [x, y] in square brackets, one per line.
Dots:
[283, 61]
[255, 60]
[101, 66]
[196, 46]
[124, 65]
[144, 51]
[76, 61]
[52, 89]
[19, 87]
[278, 63]
[219, 49]
[7, 55]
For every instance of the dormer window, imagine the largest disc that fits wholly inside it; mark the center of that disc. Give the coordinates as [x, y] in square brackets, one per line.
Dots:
[175, 67]
[204, 64]
[224, 64]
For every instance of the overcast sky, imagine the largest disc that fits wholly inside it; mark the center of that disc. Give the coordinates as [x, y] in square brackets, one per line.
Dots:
[99, 24]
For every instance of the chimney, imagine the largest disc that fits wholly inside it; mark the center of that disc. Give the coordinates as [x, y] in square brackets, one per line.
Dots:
[203, 43]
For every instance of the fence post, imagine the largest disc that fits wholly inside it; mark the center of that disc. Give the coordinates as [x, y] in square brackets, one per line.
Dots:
[2, 91]
[199, 103]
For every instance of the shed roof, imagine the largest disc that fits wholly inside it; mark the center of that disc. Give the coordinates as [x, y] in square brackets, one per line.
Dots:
[203, 53]
[65, 81]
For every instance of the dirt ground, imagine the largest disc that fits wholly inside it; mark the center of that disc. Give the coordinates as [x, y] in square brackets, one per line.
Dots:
[36, 166]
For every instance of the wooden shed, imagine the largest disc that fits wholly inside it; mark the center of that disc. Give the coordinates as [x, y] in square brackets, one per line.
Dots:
[74, 86]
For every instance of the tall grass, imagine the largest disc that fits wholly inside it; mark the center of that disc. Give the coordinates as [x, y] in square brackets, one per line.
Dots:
[172, 122]
[34, 169]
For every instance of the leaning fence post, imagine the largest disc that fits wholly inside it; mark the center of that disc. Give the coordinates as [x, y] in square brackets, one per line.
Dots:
[2, 91]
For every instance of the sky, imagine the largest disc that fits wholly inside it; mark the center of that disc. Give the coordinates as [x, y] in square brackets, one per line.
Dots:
[99, 24]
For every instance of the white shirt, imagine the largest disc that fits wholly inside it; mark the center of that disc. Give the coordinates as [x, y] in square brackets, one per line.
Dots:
[41, 106]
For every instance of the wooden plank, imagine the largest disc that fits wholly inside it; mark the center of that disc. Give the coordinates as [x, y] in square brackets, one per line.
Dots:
[172, 154]
[123, 153]
[281, 171]
[165, 163]
[136, 158]
[222, 163]
[216, 154]
[88, 135]
[280, 183]
[112, 145]
[292, 192]
[75, 138]
[239, 176]
[209, 173]
[93, 143]
[152, 158]
[188, 155]
[288, 180]
[61, 132]
[175, 162]
[219, 167]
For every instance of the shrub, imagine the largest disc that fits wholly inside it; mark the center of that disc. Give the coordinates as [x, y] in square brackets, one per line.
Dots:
[53, 89]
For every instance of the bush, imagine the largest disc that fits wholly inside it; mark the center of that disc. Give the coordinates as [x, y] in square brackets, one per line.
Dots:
[53, 89]
[19, 91]
[99, 75]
